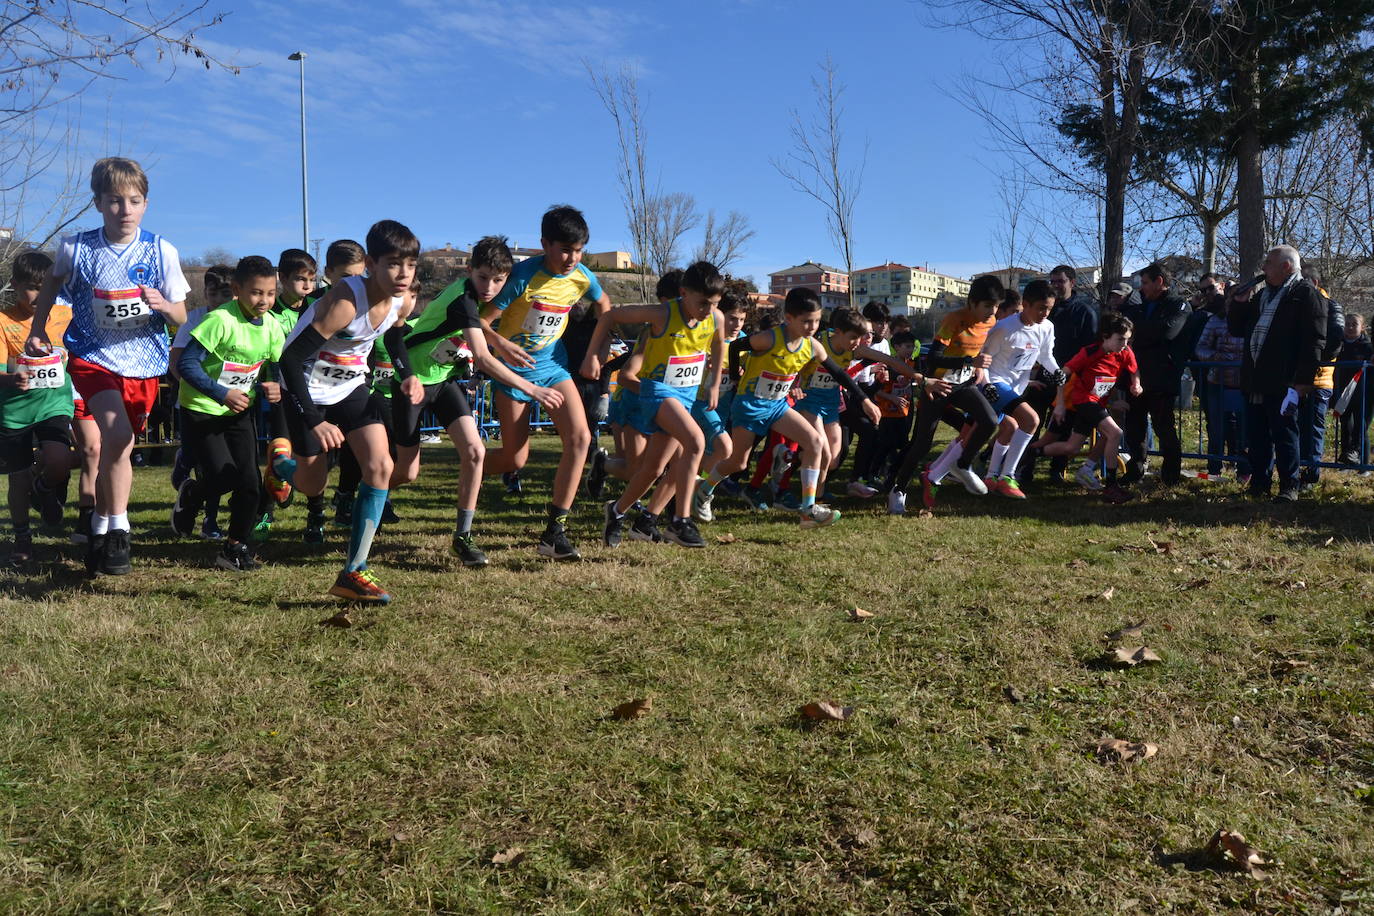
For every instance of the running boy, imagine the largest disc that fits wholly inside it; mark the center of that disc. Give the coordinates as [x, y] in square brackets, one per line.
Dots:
[1093, 373]
[324, 369]
[777, 357]
[533, 308]
[125, 286]
[432, 355]
[221, 373]
[35, 409]
[683, 352]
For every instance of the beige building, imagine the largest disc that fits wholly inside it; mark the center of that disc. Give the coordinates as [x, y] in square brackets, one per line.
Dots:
[905, 290]
[609, 260]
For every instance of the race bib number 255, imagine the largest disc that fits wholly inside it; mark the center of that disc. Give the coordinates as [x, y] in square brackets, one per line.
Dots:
[120, 309]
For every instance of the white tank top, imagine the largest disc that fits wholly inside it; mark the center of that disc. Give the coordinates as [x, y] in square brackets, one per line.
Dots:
[341, 364]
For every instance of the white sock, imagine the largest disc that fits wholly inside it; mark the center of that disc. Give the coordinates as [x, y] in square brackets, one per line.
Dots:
[995, 465]
[119, 522]
[947, 460]
[100, 524]
[1015, 450]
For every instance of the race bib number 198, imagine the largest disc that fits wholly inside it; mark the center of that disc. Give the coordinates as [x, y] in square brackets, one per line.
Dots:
[545, 319]
[120, 309]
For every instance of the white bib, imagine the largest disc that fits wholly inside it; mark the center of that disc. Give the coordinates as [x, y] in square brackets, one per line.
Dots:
[1103, 386]
[44, 371]
[333, 371]
[684, 371]
[772, 387]
[449, 351]
[383, 373]
[240, 376]
[823, 381]
[545, 319]
[960, 375]
[120, 309]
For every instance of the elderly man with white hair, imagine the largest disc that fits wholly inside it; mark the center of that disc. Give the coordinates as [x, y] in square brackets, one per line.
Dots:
[1284, 326]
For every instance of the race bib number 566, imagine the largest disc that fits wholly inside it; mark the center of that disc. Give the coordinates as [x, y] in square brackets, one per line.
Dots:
[120, 309]
[43, 371]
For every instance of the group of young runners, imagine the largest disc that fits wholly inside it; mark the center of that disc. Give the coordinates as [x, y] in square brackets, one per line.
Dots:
[348, 369]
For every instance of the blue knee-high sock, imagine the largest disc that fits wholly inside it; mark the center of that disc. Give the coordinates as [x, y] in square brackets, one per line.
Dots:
[367, 515]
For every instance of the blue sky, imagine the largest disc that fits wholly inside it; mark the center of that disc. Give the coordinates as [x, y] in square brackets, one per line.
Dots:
[467, 117]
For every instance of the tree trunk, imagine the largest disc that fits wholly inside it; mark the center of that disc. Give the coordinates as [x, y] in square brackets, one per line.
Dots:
[1249, 169]
[1210, 223]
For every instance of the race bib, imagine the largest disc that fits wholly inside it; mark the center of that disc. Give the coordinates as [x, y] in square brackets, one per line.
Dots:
[44, 371]
[960, 375]
[334, 371]
[1103, 385]
[450, 350]
[727, 385]
[120, 309]
[823, 381]
[240, 376]
[684, 371]
[382, 373]
[902, 386]
[772, 387]
[1025, 359]
[545, 319]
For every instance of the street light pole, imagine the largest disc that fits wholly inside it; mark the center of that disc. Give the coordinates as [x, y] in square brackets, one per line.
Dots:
[305, 186]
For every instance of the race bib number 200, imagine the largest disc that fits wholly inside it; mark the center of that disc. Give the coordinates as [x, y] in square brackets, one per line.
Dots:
[120, 309]
[684, 371]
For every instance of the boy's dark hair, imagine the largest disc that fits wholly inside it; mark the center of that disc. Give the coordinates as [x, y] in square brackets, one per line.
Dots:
[848, 320]
[768, 320]
[702, 277]
[342, 253]
[388, 238]
[1114, 323]
[219, 274]
[1067, 271]
[29, 269]
[877, 311]
[986, 288]
[1207, 276]
[1010, 298]
[801, 301]
[902, 337]
[1157, 271]
[493, 253]
[252, 267]
[1037, 291]
[669, 285]
[294, 260]
[898, 323]
[565, 224]
[733, 301]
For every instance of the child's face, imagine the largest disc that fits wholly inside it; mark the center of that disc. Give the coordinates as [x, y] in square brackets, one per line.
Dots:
[1117, 342]
[983, 310]
[733, 322]
[392, 273]
[215, 292]
[486, 282]
[904, 350]
[256, 294]
[26, 295]
[561, 257]
[697, 305]
[355, 269]
[804, 325]
[879, 329]
[298, 285]
[122, 211]
[1036, 312]
[844, 341]
[1007, 309]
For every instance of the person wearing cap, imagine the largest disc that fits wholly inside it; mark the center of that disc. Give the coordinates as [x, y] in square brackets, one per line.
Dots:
[1122, 295]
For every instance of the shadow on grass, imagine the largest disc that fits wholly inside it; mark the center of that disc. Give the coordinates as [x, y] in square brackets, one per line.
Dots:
[1197, 859]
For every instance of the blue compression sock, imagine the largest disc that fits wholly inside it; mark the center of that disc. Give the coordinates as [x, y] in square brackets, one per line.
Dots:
[367, 515]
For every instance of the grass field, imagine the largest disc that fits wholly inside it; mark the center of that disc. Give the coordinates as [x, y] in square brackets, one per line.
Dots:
[180, 740]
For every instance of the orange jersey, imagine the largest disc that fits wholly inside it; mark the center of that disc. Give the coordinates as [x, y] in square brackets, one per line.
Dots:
[963, 335]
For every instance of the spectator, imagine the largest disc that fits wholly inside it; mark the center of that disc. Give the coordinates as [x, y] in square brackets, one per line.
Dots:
[1074, 316]
[1355, 347]
[1312, 408]
[1226, 407]
[1284, 327]
[1122, 295]
[1159, 321]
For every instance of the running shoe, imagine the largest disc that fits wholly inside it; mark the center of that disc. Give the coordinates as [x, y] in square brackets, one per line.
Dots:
[1116, 494]
[186, 508]
[782, 460]
[512, 481]
[1008, 487]
[280, 491]
[969, 479]
[555, 544]
[22, 552]
[283, 466]
[759, 499]
[263, 529]
[731, 487]
[701, 502]
[818, 516]
[860, 490]
[114, 558]
[465, 550]
[596, 475]
[1087, 478]
[684, 533]
[82, 532]
[360, 585]
[896, 503]
[789, 502]
[236, 558]
[211, 531]
[314, 528]
[615, 525]
[645, 528]
[95, 552]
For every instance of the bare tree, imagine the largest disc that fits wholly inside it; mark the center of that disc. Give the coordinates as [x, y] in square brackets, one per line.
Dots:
[816, 164]
[1009, 236]
[723, 244]
[671, 216]
[619, 95]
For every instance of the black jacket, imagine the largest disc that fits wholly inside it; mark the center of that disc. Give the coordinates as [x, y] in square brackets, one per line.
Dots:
[1358, 349]
[1075, 326]
[1157, 343]
[1292, 348]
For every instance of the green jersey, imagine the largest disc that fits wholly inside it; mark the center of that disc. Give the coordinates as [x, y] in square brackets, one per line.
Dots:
[288, 315]
[435, 340]
[237, 351]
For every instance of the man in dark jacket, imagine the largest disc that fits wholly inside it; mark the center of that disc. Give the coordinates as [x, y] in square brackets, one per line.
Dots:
[1284, 326]
[1074, 316]
[1159, 322]
[1355, 348]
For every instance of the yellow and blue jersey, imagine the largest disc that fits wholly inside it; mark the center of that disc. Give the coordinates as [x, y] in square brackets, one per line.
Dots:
[677, 357]
[535, 303]
[769, 376]
[817, 379]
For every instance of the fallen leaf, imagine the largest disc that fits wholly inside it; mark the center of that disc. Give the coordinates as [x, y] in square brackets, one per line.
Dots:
[1134, 548]
[726, 538]
[859, 613]
[1289, 665]
[1231, 848]
[633, 709]
[1114, 750]
[1107, 595]
[866, 837]
[1129, 631]
[1129, 658]
[1093, 541]
[1012, 694]
[1328, 541]
[340, 619]
[1195, 584]
[1296, 585]
[508, 856]
[826, 711]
